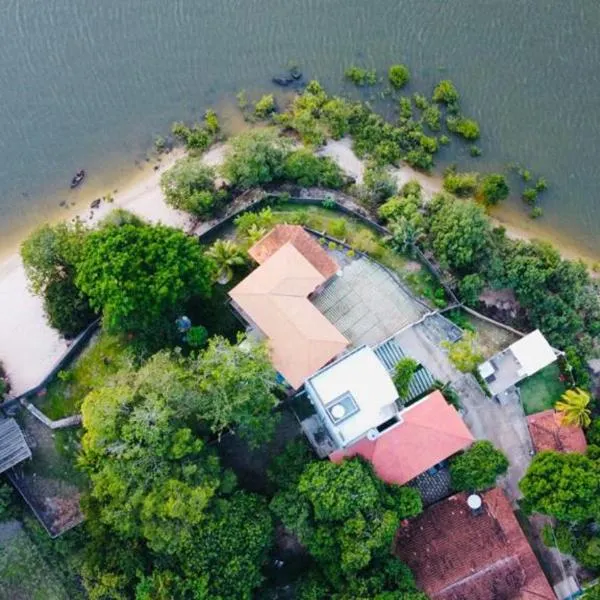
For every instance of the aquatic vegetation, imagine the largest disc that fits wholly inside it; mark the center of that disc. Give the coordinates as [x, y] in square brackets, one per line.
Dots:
[361, 77]
[398, 76]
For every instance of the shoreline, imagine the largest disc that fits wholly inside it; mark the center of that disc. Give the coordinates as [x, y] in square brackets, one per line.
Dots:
[29, 347]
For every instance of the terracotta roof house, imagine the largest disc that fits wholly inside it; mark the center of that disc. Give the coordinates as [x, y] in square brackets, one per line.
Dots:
[548, 433]
[412, 441]
[274, 298]
[458, 553]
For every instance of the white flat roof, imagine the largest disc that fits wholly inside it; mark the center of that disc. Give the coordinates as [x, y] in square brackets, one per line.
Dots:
[373, 393]
[533, 352]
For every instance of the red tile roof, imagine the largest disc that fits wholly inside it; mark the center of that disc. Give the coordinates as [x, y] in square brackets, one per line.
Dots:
[457, 555]
[548, 433]
[431, 431]
[301, 240]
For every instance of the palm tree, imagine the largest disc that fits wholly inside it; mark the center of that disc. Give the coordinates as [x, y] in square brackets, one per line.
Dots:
[226, 254]
[574, 407]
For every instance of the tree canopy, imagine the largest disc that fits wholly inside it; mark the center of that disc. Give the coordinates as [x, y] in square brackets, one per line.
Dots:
[139, 276]
[159, 501]
[565, 486]
[493, 189]
[347, 519]
[478, 467]
[255, 158]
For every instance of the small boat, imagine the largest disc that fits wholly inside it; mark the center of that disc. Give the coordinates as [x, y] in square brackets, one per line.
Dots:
[78, 179]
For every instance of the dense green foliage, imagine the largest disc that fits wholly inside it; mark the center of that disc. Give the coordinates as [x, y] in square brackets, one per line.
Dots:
[459, 233]
[478, 467]
[50, 256]
[466, 128]
[565, 486]
[226, 255]
[360, 76]
[493, 189]
[159, 501]
[198, 137]
[445, 92]
[189, 185]
[398, 76]
[403, 373]
[347, 519]
[464, 354]
[460, 184]
[265, 106]
[139, 276]
[306, 169]
[255, 158]
[574, 408]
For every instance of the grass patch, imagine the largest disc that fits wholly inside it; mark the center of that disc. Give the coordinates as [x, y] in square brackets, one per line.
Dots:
[105, 355]
[424, 284]
[24, 574]
[541, 391]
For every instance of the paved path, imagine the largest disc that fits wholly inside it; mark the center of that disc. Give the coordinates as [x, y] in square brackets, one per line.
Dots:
[505, 426]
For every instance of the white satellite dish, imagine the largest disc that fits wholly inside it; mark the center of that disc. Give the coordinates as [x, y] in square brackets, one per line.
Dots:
[372, 435]
[474, 501]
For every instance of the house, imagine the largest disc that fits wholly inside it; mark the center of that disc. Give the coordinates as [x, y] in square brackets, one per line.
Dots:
[520, 360]
[357, 403]
[549, 433]
[472, 548]
[13, 447]
[275, 301]
[418, 439]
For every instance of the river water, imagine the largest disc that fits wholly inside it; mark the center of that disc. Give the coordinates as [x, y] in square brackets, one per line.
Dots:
[88, 83]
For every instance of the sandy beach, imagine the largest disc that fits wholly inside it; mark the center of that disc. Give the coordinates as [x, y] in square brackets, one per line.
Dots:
[29, 347]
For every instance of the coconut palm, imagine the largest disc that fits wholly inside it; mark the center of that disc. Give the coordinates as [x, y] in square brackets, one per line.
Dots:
[226, 254]
[574, 407]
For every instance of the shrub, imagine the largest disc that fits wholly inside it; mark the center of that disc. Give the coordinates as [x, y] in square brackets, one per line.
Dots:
[197, 336]
[211, 122]
[403, 373]
[525, 174]
[160, 144]
[379, 183]
[265, 106]
[445, 92]
[398, 76]
[444, 140]
[405, 106]
[529, 195]
[466, 128]
[464, 354]
[536, 212]
[493, 189]
[470, 288]
[433, 118]
[560, 537]
[475, 151]
[337, 228]
[195, 137]
[460, 184]
[189, 185]
[255, 158]
[332, 245]
[478, 467]
[420, 101]
[541, 185]
[306, 169]
[361, 77]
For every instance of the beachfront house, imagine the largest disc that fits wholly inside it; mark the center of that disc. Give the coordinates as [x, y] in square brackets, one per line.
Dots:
[274, 300]
[520, 360]
[357, 404]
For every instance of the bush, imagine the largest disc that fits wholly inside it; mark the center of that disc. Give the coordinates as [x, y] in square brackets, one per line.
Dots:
[445, 92]
[189, 185]
[337, 228]
[306, 169]
[405, 107]
[529, 195]
[470, 288]
[197, 336]
[466, 128]
[560, 537]
[475, 151]
[211, 122]
[379, 184]
[444, 140]
[536, 212]
[195, 138]
[361, 77]
[460, 184]
[403, 373]
[433, 118]
[493, 189]
[541, 185]
[478, 467]
[265, 106]
[255, 158]
[6, 502]
[420, 101]
[464, 354]
[398, 76]
[67, 308]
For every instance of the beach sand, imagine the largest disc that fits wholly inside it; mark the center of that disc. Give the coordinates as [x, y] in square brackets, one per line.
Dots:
[29, 347]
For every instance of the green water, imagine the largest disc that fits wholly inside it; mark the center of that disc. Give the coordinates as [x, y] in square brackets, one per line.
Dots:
[88, 83]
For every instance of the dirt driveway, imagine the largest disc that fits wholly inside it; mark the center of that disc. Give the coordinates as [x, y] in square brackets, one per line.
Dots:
[505, 426]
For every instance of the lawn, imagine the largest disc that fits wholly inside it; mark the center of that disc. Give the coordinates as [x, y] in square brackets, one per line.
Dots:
[541, 391]
[105, 355]
[24, 574]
